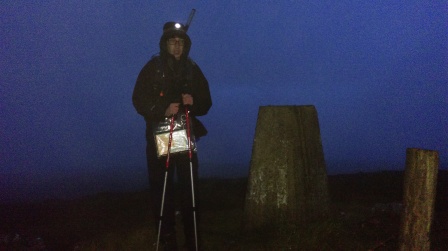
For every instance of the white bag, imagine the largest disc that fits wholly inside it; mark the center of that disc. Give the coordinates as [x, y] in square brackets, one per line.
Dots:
[179, 143]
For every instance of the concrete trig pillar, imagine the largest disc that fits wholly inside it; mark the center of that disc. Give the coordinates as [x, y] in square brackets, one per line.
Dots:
[288, 178]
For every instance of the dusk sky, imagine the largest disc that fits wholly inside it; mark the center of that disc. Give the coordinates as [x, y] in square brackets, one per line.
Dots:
[376, 71]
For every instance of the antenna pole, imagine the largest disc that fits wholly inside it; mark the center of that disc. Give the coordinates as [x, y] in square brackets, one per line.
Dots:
[190, 18]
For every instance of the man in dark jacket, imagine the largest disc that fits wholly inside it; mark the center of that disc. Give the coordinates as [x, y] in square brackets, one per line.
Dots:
[166, 85]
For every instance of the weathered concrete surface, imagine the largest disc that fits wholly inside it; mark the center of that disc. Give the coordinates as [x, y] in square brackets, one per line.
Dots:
[288, 179]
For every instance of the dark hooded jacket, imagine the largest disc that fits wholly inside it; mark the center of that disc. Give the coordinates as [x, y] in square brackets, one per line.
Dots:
[164, 79]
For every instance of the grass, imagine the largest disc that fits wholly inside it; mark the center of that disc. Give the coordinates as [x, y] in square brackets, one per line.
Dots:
[122, 221]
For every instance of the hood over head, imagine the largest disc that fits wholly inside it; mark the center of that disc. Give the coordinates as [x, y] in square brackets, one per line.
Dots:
[174, 29]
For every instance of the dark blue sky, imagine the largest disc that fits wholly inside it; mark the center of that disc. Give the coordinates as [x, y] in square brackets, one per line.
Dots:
[375, 70]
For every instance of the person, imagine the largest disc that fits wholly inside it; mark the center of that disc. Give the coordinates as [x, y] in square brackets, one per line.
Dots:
[167, 84]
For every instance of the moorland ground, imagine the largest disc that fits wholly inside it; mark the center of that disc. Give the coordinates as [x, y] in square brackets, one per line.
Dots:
[365, 215]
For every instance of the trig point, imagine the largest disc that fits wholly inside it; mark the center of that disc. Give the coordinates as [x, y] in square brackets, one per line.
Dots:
[288, 178]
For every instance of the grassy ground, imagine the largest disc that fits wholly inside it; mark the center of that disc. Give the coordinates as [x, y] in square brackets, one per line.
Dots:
[365, 216]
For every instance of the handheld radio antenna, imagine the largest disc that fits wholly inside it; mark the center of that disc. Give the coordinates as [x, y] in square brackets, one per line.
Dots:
[190, 18]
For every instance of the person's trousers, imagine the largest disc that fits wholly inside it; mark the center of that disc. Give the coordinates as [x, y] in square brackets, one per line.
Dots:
[178, 193]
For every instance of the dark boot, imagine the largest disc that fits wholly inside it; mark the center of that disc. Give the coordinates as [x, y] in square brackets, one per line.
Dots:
[190, 243]
[169, 242]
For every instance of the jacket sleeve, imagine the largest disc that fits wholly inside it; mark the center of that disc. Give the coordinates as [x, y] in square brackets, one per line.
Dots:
[202, 100]
[147, 102]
